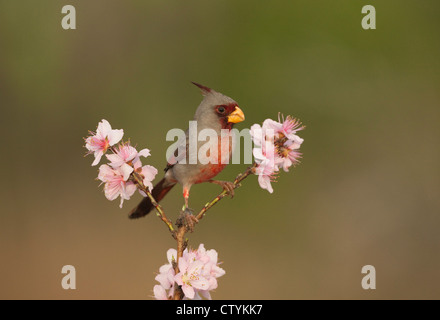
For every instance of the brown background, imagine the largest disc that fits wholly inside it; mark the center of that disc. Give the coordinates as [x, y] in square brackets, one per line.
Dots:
[367, 191]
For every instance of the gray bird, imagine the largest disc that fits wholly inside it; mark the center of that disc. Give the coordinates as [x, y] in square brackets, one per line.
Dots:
[215, 112]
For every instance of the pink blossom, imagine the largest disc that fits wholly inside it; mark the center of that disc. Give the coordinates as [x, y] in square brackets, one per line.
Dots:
[276, 146]
[123, 161]
[290, 126]
[256, 133]
[210, 258]
[266, 174]
[266, 152]
[104, 138]
[166, 272]
[160, 293]
[211, 269]
[165, 290]
[148, 173]
[288, 155]
[125, 153]
[116, 183]
[198, 273]
[262, 135]
[266, 170]
[287, 127]
[191, 277]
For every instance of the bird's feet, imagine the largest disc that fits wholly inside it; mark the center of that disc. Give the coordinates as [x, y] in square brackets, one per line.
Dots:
[226, 185]
[187, 219]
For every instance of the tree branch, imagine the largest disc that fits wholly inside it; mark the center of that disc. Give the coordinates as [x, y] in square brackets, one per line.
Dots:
[179, 235]
[159, 211]
[238, 179]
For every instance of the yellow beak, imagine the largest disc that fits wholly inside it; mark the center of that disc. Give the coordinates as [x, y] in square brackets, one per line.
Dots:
[236, 116]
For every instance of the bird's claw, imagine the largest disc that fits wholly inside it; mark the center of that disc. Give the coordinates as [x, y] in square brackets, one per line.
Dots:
[187, 219]
[229, 187]
[226, 185]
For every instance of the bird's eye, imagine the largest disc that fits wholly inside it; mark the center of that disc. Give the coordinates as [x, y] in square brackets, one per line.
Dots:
[221, 109]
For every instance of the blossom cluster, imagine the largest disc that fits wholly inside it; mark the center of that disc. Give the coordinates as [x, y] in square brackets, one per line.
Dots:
[124, 160]
[276, 146]
[198, 273]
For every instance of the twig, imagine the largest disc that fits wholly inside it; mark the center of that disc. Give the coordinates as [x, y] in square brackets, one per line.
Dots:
[180, 234]
[183, 228]
[160, 213]
[237, 181]
[181, 244]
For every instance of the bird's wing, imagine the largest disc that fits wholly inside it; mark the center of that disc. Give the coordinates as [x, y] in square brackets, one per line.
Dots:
[180, 152]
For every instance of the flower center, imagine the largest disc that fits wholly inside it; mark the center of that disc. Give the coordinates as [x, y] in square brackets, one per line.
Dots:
[186, 279]
[191, 277]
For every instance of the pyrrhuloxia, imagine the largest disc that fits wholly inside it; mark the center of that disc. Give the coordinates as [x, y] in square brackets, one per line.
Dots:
[217, 112]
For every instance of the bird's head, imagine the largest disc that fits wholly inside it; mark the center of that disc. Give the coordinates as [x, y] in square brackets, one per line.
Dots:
[216, 110]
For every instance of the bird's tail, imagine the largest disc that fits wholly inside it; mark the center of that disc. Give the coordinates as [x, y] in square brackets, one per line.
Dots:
[145, 206]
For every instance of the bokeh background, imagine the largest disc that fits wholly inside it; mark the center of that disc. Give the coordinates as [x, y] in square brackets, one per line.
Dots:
[367, 191]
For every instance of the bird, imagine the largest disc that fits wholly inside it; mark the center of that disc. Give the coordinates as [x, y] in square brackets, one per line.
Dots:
[216, 112]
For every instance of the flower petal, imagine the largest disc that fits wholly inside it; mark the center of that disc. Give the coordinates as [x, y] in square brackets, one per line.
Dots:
[103, 129]
[172, 255]
[149, 173]
[206, 294]
[144, 153]
[188, 291]
[115, 160]
[264, 182]
[178, 278]
[258, 154]
[98, 156]
[130, 188]
[125, 170]
[183, 265]
[114, 136]
[162, 278]
[270, 124]
[256, 133]
[111, 190]
[105, 172]
[165, 268]
[159, 293]
[202, 283]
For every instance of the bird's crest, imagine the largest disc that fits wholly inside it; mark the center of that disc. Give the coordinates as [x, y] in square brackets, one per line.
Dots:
[205, 90]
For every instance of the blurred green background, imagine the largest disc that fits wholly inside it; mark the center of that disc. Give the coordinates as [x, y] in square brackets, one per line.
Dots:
[367, 191]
